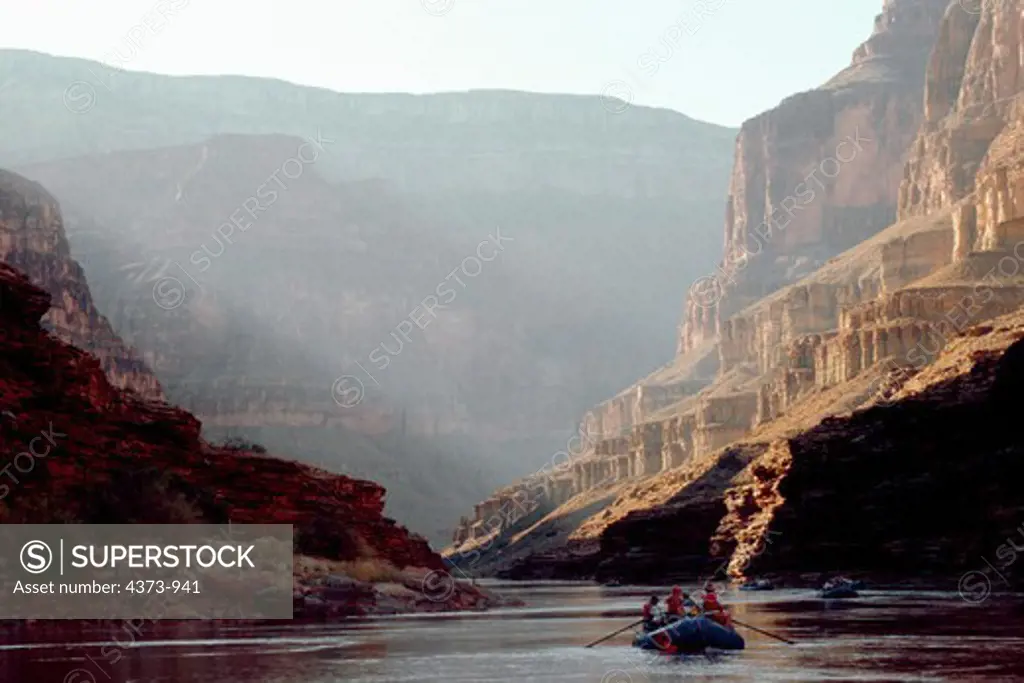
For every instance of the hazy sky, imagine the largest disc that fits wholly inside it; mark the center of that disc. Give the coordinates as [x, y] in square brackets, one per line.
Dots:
[723, 63]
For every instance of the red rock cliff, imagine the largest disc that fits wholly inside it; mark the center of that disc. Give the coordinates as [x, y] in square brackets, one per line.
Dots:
[32, 239]
[101, 434]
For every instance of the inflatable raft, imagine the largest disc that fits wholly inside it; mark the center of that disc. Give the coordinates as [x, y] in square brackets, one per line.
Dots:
[838, 592]
[758, 585]
[689, 636]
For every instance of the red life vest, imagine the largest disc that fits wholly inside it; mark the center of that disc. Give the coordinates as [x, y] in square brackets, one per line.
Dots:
[674, 604]
[715, 611]
[647, 611]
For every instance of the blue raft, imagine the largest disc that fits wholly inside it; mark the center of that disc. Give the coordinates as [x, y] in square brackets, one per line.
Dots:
[840, 592]
[689, 636]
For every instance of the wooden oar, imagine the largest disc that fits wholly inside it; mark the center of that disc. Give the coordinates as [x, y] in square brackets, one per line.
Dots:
[610, 635]
[771, 635]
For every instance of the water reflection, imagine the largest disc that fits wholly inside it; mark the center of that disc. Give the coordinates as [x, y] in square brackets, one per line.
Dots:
[882, 636]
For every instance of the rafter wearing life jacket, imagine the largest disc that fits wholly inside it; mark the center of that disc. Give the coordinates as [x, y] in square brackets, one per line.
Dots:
[653, 616]
[675, 606]
[713, 609]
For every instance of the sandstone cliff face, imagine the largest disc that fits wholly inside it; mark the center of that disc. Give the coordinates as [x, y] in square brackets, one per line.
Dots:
[894, 299]
[820, 172]
[32, 239]
[102, 434]
[813, 177]
[849, 333]
[974, 86]
[956, 263]
[920, 488]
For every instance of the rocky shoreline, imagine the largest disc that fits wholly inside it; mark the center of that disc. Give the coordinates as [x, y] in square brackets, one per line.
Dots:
[323, 595]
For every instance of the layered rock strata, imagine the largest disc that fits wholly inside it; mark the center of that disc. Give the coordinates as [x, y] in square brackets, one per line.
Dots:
[927, 486]
[32, 239]
[863, 322]
[811, 178]
[819, 173]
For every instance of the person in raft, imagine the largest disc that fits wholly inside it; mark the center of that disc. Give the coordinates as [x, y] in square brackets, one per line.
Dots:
[674, 606]
[713, 609]
[653, 616]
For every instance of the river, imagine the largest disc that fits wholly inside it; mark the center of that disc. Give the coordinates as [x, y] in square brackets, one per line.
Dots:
[881, 636]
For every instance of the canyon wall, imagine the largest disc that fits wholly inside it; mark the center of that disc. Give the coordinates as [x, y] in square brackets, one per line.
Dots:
[409, 185]
[103, 437]
[489, 142]
[819, 173]
[32, 239]
[250, 325]
[437, 343]
[813, 177]
[923, 488]
[849, 334]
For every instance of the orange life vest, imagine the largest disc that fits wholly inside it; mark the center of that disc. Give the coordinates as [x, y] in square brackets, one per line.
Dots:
[715, 611]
